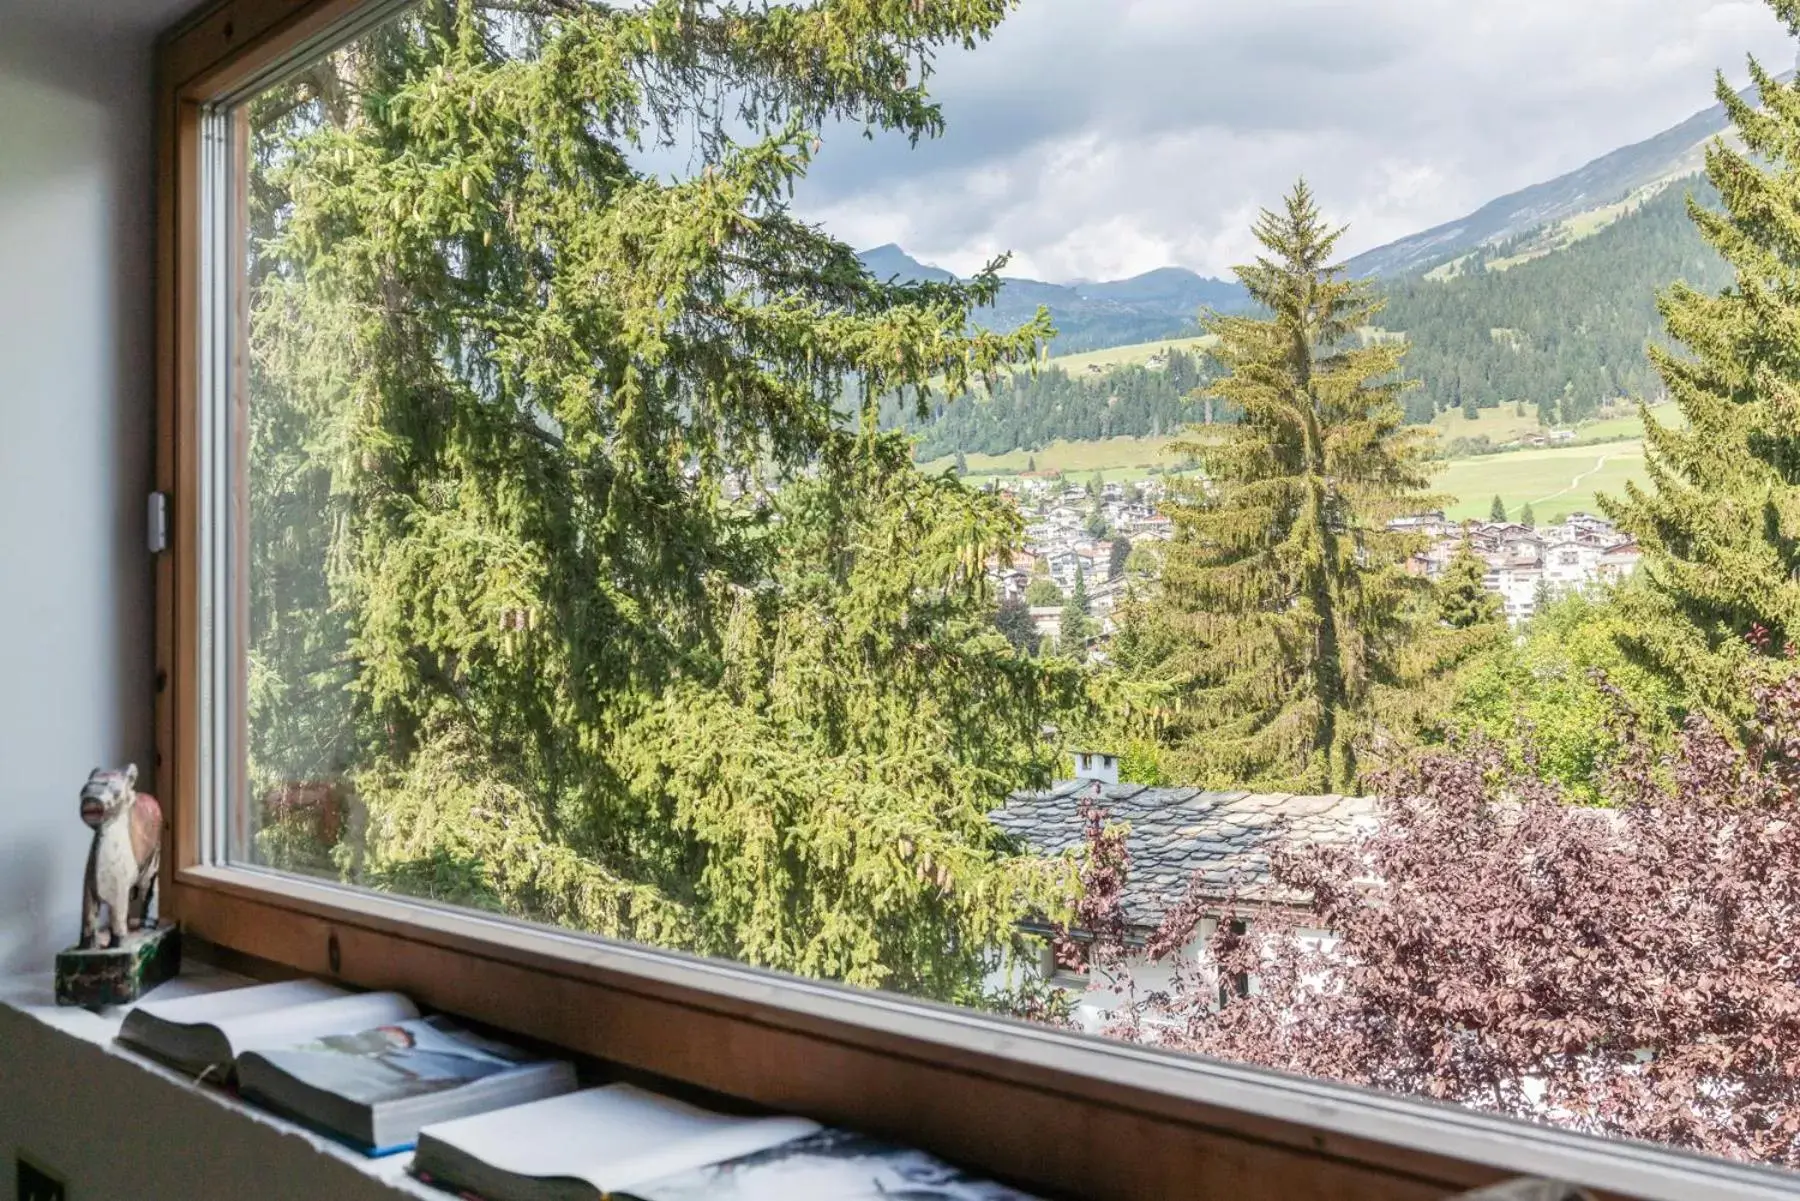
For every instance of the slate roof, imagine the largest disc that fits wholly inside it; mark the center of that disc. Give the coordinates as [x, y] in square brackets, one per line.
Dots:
[1177, 832]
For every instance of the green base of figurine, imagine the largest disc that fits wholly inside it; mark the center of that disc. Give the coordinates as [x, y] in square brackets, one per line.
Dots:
[119, 975]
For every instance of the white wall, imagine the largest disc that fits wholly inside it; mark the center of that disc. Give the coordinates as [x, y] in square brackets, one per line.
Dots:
[76, 213]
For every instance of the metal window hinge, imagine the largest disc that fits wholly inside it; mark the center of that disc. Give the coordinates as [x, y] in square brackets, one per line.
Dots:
[158, 524]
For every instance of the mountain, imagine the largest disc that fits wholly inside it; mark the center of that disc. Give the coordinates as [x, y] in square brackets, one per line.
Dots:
[1164, 303]
[1607, 181]
[1543, 299]
[1562, 331]
[1174, 286]
[892, 263]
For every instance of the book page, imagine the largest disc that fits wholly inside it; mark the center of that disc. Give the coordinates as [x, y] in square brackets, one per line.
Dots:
[391, 1063]
[209, 1008]
[609, 1136]
[749, 1137]
[344, 1014]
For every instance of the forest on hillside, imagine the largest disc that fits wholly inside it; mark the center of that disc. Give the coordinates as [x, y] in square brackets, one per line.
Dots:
[1564, 332]
[1029, 412]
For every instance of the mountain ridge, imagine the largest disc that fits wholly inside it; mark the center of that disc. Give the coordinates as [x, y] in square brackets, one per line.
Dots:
[1678, 152]
[1164, 301]
[1089, 315]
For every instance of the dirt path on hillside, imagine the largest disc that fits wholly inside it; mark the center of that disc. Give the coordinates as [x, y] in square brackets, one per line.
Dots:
[1575, 483]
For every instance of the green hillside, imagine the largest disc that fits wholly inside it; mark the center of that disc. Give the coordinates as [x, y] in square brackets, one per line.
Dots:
[1562, 330]
[1549, 336]
[1135, 355]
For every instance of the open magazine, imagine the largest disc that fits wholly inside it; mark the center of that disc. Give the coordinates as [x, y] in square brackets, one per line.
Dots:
[376, 1087]
[622, 1142]
[204, 1035]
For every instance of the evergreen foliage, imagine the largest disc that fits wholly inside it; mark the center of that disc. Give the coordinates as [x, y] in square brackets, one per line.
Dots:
[1042, 592]
[573, 563]
[1072, 633]
[1565, 331]
[1031, 410]
[1013, 620]
[1497, 510]
[1463, 600]
[1720, 521]
[1285, 612]
[1118, 556]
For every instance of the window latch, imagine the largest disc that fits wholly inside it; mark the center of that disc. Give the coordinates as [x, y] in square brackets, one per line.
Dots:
[157, 532]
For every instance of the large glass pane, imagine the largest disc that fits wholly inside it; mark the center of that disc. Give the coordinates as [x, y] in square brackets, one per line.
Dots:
[1346, 651]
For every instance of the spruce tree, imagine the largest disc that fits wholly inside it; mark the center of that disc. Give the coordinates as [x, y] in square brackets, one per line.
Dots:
[1463, 600]
[1118, 556]
[1497, 510]
[1286, 615]
[1073, 630]
[574, 556]
[1527, 518]
[1013, 619]
[1719, 522]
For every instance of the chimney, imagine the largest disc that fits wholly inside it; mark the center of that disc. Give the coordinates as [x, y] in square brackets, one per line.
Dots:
[1100, 766]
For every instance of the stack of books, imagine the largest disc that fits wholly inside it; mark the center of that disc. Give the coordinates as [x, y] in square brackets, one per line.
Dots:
[491, 1121]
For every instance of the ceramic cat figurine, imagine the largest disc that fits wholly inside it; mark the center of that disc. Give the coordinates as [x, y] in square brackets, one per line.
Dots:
[122, 863]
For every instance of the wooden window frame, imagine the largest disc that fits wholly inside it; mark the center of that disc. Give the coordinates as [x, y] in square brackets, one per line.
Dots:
[1051, 1110]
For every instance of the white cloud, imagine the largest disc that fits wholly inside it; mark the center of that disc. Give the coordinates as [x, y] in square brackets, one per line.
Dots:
[1098, 138]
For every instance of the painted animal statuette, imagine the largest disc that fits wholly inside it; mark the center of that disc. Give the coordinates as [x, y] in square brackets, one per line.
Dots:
[122, 863]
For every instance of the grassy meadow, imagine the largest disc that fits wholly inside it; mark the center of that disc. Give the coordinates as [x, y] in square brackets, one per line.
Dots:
[1129, 356]
[1554, 480]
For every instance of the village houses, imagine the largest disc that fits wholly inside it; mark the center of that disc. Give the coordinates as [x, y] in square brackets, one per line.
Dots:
[1526, 564]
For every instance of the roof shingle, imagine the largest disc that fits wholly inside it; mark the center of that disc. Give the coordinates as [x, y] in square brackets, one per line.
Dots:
[1178, 833]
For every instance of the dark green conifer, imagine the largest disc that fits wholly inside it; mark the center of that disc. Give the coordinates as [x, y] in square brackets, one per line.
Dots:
[1719, 521]
[567, 558]
[1286, 614]
[1073, 631]
[1463, 601]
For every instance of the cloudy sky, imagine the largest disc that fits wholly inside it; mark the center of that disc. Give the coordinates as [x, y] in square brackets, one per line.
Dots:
[1100, 138]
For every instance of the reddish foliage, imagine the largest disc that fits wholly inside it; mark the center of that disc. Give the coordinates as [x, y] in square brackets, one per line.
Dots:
[1628, 971]
[1099, 914]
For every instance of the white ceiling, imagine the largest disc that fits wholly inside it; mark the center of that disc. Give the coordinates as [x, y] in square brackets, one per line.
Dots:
[101, 16]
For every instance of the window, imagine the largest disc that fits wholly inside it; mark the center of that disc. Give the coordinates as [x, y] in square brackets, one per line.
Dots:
[595, 577]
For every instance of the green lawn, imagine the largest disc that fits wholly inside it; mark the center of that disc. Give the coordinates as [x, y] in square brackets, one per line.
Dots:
[1555, 481]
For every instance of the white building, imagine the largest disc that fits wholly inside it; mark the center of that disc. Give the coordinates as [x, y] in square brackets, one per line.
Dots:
[1220, 841]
